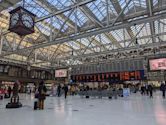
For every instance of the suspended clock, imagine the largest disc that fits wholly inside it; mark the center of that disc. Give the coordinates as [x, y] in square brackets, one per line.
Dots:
[21, 21]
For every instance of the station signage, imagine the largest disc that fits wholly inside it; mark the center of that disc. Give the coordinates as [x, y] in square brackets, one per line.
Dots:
[110, 77]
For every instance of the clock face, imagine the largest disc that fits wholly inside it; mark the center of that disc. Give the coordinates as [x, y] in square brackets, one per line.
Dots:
[27, 20]
[14, 19]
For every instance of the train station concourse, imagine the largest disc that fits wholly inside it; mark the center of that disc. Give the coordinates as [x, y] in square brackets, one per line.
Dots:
[83, 62]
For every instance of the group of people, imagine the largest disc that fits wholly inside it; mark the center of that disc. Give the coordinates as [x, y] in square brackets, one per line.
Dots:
[60, 89]
[148, 90]
[7, 91]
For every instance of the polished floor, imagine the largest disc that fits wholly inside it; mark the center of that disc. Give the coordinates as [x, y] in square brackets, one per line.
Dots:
[133, 110]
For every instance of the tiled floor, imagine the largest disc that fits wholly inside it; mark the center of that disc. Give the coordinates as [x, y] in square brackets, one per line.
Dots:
[133, 110]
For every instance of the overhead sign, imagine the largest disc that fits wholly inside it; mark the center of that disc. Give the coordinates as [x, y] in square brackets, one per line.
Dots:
[111, 77]
[61, 73]
[157, 64]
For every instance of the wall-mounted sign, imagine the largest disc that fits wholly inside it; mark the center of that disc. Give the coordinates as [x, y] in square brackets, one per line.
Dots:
[61, 73]
[112, 77]
[157, 64]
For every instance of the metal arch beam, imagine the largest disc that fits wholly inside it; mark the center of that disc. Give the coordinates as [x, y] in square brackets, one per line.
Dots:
[103, 52]
[112, 51]
[93, 17]
[49, 25]
[81, 44]
[149, 5]
[93, 32]
[118, 9]
[53, 9]
[65, 9]
[128, 40]
[98, 43]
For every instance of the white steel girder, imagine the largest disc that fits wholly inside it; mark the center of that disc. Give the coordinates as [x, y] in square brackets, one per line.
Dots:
[92, 17]
[94, 32]
[52, 9]
[149, 5]
[151, 45]
[118, 9]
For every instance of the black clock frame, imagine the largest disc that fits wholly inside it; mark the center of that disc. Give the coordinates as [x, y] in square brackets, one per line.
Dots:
[19, 27]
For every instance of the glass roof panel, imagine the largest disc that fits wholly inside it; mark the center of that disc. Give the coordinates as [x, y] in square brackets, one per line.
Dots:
[155, 2]
[145, 30]
[36, 9]
[141, 3]
[85, 41]
[120, 35]
[74, 45]
[45, 30]
[60, 4]
[78, 17]
[98, 8]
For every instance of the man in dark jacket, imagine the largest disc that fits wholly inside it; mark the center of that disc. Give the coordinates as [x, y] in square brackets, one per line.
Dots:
[162, 88]
[150, 89]
[9, 91]
[42, 94]
[66, 90]
[59, 90]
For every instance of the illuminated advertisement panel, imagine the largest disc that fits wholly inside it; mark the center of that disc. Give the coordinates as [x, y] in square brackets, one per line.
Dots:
[157, 64]
[61, 73]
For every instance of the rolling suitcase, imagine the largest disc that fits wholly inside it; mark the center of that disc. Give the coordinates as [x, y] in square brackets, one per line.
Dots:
[35, 105]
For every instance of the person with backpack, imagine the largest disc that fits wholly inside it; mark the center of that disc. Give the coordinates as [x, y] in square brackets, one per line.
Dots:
[42, 95]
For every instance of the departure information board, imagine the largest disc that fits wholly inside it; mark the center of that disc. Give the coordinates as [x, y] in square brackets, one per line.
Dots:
[110, 77]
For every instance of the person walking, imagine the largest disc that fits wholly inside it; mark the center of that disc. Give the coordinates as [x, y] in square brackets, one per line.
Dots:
[143, 90]
[42, 95]
[162, 88]
[150, 89]
[65, 90]
[59, 90]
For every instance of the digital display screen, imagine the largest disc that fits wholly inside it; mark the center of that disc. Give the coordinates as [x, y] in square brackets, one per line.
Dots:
[109, 77]
[61, 73]
[157, 64]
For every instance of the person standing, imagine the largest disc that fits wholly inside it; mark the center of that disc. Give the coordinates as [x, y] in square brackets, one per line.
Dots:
[162, 88]
[147, 90]
[9, 91]
[150, 89]
[42, 95]
[59, 90]
[66, 90]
